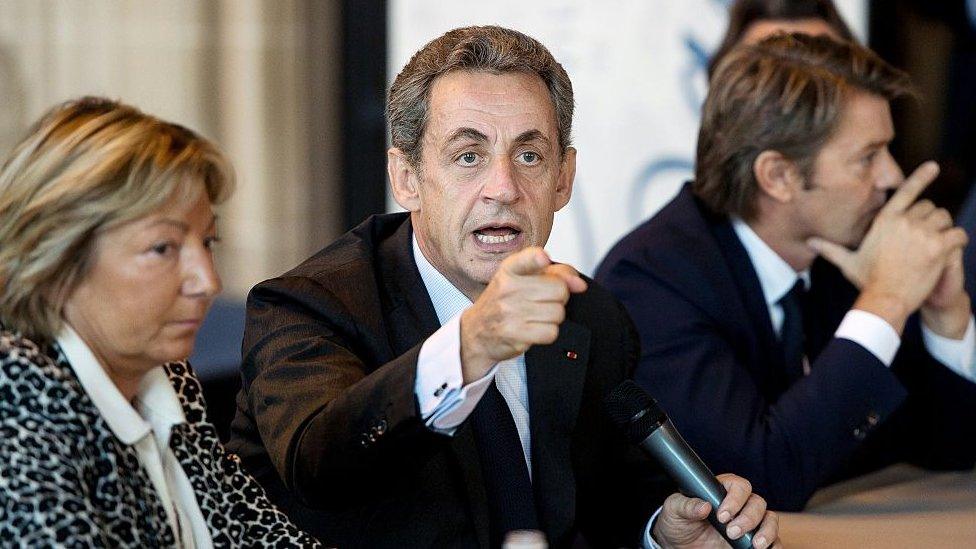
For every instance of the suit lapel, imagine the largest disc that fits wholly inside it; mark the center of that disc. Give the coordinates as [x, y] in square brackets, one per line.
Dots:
[406, 304]
[754, 301]
[690, 261]
[555, 375]
[411, 319]
[702, 251]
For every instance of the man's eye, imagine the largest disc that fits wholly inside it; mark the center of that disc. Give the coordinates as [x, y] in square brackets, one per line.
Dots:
[163, 248]
[529, 157]
[211, 241]
[467, 159]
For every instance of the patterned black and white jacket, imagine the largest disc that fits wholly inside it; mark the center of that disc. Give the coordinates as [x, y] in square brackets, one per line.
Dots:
[66, 481]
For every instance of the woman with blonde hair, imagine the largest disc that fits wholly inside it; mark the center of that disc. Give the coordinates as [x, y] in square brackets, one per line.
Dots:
[106, 272]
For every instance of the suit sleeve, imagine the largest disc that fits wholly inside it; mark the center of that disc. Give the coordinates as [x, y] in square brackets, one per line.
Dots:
[334, 426]
[786, 445]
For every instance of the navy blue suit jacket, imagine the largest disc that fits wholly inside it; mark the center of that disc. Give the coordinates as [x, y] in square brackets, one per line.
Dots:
[711, 357]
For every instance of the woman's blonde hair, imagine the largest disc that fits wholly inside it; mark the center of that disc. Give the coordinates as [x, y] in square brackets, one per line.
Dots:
[87, 166]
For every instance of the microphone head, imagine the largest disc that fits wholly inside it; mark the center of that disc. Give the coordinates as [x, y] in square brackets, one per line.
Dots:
[634, 411]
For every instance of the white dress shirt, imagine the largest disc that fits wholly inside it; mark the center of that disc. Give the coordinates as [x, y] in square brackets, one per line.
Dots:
[444, 401]
[146, 424]
[866, 329]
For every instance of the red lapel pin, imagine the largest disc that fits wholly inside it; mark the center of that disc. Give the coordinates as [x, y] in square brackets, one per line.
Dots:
[571, 355]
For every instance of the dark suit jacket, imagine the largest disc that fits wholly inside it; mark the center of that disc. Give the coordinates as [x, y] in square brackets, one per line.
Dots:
[711, 357]
[328, 407]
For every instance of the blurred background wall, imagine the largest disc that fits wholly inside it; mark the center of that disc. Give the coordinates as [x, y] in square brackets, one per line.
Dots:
[258, 77]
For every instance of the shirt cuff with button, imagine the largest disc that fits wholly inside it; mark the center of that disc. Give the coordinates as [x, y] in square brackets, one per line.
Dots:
[955, 354]
[443, 399]
[649, 542]
[871, 332]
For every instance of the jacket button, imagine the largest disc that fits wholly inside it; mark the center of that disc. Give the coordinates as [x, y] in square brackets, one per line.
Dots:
[859, 433]
[873, 418]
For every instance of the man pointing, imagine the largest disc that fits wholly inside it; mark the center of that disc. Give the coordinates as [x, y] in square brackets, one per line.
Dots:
[432, 379]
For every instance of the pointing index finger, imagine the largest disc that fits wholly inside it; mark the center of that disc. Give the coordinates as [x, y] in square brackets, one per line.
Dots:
[526, 262]
[913, 186]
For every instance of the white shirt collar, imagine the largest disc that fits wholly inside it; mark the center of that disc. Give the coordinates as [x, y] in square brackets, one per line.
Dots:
[157, 400]
[775, 275]
[447, 299]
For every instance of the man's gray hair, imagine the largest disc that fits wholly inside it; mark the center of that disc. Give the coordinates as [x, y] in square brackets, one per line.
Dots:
[488, 49]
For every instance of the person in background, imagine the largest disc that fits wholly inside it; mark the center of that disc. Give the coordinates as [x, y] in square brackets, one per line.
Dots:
[106, 272]
[432, 378]
[752, 20]
[790, 370]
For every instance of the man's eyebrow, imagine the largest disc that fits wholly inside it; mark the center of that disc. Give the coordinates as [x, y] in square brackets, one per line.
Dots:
[532, 135]
[467, 133]
[877, 144]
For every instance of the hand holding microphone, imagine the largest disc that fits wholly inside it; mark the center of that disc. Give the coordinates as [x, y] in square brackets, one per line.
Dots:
[727, 502]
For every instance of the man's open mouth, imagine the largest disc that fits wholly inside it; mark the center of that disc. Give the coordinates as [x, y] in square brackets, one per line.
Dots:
[496, 234]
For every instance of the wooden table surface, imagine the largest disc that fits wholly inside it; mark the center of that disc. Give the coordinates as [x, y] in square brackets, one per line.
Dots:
[901, 506]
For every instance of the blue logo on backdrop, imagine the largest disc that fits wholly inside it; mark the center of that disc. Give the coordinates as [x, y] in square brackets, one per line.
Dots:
[697, 62]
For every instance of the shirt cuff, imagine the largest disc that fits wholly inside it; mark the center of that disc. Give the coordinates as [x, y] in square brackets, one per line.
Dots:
[871, 332]
[444, 402]
[649, 542]
[955, 354]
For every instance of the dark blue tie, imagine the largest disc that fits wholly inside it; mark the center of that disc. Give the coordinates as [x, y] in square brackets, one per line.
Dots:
[792, 336]
[511, 505]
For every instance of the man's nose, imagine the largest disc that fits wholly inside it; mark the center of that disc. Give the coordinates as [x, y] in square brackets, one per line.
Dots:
[501, 185]
[889, 175]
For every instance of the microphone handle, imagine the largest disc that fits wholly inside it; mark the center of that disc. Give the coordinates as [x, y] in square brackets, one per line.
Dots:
[693, 477]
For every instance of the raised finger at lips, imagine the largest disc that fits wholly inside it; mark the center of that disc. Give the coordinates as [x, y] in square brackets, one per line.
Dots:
[913, 186]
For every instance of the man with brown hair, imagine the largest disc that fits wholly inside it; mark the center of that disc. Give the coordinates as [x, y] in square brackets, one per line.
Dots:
[432, 379]
[790, 370]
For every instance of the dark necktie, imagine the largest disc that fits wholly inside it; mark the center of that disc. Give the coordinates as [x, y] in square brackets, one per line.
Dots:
[511, 505]
[792, 335]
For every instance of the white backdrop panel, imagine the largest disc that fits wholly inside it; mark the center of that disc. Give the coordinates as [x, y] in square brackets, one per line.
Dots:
[638, 72]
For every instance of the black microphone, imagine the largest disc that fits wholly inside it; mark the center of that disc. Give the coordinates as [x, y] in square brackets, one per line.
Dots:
[646, 424]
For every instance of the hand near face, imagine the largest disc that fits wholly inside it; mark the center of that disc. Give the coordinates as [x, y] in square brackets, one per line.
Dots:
[947, 309]
[905, 256]
[523, 305]
[683, 521]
